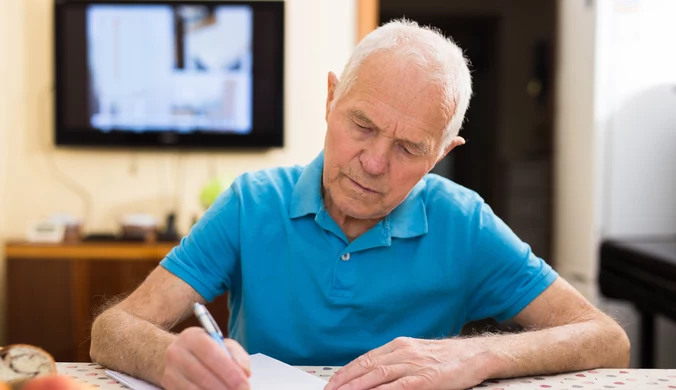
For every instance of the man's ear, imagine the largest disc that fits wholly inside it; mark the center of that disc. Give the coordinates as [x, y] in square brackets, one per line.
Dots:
[457, 141]
[332, 84]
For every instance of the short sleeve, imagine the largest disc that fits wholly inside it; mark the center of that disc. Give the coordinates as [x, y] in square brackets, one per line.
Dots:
[207, 258]
[504, 275]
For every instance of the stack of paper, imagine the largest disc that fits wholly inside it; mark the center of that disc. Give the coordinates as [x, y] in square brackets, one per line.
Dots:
[131, 382]
[266, 374]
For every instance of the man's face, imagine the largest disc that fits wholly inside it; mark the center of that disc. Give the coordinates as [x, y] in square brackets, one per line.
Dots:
[383, 136]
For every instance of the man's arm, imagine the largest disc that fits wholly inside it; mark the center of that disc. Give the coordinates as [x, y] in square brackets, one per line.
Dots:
[133, 335]
[564, 333]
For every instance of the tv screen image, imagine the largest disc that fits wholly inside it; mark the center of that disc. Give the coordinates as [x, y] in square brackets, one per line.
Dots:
[197, 74]
[148, 75]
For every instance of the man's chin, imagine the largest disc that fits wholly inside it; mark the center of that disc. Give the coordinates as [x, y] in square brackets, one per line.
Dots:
[354, 210]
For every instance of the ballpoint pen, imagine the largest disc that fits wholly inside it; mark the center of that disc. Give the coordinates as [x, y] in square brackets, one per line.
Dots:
[208, 323]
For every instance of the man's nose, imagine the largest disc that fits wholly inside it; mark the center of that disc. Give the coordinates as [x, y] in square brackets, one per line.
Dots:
[374, 159]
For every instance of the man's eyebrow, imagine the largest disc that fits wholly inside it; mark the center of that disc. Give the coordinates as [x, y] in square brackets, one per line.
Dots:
[361, 117]
[420, 147]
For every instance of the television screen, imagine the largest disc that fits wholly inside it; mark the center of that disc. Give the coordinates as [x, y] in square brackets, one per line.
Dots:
[191, 74]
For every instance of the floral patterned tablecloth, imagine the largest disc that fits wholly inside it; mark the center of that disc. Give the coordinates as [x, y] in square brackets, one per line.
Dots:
[630, 379]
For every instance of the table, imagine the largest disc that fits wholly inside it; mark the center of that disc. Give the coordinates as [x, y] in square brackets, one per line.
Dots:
[641, 271]
[93, 374]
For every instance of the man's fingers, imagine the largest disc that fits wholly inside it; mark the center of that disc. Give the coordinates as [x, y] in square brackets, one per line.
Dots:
[405, 383]
[380, 375]
[174, 380]
[217, 361]
[195, 373]
[360, 366]
[390, 354]
[239, 354]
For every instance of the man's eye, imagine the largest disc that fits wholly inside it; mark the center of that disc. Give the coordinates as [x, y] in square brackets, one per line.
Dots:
[364, 129]
[405, 150]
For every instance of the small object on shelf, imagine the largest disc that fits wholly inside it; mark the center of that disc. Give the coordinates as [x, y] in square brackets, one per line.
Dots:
[99, 237]
[47, 232]
[72, 226]
[56, 228]
[139, 227]
[169, 233]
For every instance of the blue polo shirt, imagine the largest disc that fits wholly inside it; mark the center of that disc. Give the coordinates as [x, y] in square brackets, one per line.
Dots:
[301, 292]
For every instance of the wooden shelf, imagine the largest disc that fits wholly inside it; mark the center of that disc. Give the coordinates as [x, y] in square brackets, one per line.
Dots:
[89, 251]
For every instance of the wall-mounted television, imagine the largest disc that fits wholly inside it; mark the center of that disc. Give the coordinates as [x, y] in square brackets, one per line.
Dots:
[170, 74]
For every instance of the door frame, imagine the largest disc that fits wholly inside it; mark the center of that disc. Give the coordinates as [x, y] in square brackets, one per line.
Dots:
[367, 17]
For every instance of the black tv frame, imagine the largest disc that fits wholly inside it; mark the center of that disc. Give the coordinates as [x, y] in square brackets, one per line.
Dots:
[270, 138]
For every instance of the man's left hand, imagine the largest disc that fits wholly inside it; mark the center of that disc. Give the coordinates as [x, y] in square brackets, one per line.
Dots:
[408, 363]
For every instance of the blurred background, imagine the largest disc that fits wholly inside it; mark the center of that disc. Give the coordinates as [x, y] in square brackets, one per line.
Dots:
[571, 139]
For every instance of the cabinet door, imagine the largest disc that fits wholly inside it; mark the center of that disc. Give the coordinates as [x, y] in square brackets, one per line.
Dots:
[39, 306]
[95, 284]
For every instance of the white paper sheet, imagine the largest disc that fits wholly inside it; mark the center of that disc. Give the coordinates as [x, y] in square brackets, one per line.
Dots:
[271, 374]
[130, 382]
[266, 374]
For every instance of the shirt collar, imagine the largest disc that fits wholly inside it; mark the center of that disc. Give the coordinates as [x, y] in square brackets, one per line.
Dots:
[407, 220]
[307, 193]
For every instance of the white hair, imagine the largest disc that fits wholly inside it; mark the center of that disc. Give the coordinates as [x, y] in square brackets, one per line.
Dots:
[440, 58]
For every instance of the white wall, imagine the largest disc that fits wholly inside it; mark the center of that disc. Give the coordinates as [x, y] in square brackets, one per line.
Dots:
[636, 119]
[319, 36]
[576, 142]
[615, 140]
[615, 128]
[11, 74]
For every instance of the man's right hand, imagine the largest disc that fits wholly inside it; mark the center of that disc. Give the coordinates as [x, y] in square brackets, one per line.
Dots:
[195, 361]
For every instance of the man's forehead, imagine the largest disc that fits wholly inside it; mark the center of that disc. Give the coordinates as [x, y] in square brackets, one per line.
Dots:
[384, 120]
[387, 90]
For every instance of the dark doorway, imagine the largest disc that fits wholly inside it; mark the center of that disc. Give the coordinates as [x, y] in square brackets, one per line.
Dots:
[478, 38]
[509, 153]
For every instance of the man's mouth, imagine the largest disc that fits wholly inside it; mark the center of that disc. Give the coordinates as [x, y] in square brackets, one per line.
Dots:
[364, 188]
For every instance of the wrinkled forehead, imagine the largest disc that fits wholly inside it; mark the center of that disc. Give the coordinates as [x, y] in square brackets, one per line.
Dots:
[393, 88]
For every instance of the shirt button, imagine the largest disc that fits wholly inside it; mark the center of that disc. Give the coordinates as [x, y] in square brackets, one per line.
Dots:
[345, 257]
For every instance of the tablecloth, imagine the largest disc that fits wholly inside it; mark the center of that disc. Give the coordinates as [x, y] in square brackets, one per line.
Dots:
[629, 379]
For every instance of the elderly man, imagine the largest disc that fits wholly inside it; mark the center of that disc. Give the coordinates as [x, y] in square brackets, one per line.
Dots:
[362, 258]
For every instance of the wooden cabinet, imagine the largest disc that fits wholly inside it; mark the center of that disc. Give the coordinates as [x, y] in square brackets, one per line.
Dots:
[53, 291]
